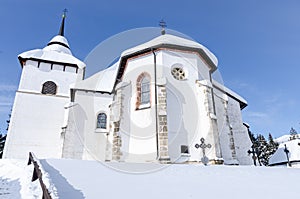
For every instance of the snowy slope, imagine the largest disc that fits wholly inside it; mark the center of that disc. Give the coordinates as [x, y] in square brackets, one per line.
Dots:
[15, 180]
[91, 179]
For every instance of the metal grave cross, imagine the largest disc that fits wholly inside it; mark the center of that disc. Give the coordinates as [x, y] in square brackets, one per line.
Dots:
[203, 146]
[287, 155]
[253, 154]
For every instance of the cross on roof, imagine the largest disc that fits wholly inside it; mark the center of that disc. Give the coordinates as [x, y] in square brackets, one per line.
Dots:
[65, 12]
[163, 25]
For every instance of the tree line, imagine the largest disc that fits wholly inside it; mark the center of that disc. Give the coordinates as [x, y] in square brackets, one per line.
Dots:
[262, 149]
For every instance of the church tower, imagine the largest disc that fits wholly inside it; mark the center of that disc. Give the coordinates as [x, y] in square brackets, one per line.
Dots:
[37, 118]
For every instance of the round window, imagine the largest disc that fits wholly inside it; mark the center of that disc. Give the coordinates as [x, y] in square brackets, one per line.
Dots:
[178, 73]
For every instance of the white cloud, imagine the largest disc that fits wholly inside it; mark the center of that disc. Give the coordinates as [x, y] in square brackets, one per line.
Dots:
[256, 114]
[9, 88]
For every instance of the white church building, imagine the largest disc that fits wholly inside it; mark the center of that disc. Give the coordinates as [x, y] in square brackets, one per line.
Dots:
[157, 103]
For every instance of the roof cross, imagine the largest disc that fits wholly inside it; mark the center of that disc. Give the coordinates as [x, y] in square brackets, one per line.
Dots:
[163, 25]
[64, 12]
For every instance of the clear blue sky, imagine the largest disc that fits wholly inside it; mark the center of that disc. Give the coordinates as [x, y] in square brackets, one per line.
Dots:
[257, 44]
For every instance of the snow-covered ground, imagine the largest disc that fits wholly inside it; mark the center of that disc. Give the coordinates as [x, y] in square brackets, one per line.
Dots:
[15, 180]
[91, 179]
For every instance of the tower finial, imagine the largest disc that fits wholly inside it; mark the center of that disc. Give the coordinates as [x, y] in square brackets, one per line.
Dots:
[62, 26]
[162, 24]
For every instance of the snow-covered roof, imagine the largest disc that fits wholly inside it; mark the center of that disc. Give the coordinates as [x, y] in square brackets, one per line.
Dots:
[102, 81]
[168, 39]
[57, 50]
[284, 138]
[231, 93]
[279, 157]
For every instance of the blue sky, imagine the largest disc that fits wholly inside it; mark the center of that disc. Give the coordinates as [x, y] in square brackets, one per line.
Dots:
[257, 44]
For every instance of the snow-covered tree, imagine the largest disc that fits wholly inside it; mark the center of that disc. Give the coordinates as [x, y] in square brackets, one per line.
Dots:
[293, 134]
[272, 146]
[2, 143]
[263, 149]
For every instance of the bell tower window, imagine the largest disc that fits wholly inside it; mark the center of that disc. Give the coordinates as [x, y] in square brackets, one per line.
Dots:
[49, 88]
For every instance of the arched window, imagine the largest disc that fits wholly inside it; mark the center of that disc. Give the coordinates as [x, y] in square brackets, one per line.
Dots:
[101, 120]
[143, 91]
[49, 88]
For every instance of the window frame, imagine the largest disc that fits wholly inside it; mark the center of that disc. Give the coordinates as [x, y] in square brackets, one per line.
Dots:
[99, 128]
[46, 86]
[143, 86]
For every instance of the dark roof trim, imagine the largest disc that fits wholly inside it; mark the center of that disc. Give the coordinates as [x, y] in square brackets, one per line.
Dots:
[157, 47]
[46, 61]
[59, 43]
[242, 104]
[92, 91]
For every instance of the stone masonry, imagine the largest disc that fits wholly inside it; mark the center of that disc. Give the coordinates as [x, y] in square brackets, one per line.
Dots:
[162, 125]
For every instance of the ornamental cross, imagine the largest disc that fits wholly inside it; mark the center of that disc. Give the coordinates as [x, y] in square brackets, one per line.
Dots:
[253, 155]
[287, 155]
[65, 12]
[163, 25]
[203, 146]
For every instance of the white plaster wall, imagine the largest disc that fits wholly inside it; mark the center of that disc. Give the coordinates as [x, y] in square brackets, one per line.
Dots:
[187, 115]
[73, 143]
[138, 127]
[82, 124]
[223, 126]
[32, 78]
[37, 119]
[35, 126]
[242, 140]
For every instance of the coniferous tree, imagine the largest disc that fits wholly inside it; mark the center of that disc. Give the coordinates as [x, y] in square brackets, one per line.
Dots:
[272, 146]
[262, 150]
[3, 137]
[2, 143]
[293, 134]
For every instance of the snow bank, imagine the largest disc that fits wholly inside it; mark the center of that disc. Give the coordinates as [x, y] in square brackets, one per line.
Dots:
[15, 180]
[92, 179]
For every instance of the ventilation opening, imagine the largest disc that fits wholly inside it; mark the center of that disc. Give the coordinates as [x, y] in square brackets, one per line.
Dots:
[184, 149]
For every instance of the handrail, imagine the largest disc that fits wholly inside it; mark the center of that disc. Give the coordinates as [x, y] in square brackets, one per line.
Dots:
[37, 174]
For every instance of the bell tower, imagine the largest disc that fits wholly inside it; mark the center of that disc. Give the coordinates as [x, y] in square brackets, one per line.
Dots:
[38, 112]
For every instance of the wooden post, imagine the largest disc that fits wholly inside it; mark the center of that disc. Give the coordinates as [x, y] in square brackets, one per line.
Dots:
[37, 174]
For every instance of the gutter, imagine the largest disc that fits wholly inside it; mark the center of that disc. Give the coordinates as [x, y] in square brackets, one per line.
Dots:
[155, 91]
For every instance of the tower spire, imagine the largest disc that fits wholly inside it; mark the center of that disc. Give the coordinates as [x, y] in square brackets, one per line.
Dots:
[62, 26]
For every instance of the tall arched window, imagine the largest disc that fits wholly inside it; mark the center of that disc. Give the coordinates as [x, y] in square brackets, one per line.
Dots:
[101, 120]
[143, 91]
[49, 88]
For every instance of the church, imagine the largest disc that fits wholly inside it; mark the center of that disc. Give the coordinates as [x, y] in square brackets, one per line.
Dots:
[158, 103]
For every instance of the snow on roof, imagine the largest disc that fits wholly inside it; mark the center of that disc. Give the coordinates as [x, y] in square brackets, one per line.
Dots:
[102, 81]
[230, 92]
[172, 40]
[59, 40]
[284, 138]
[279, 157]
[56, 51]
